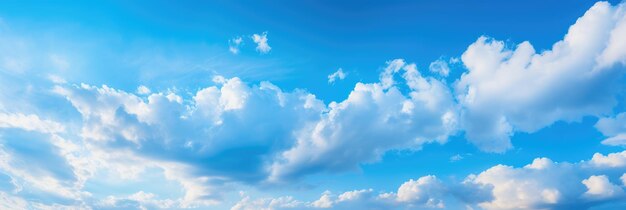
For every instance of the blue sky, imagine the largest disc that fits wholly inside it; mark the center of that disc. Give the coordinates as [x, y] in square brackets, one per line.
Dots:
[312, 105]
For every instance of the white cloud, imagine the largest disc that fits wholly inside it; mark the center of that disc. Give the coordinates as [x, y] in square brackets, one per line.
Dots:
[266, 204]
[440, 67]
[611, 160]
[550, 185]
[338, 75]
[199, 130]
[425, 193]
[511, 90]
[542, 184]
[613, 128]
[458, 157]
[325, 201]
[427, 190]
[261, 41]
[372, 112]
[29, 122]
[143, 90]
[599, 187]
[234, 45]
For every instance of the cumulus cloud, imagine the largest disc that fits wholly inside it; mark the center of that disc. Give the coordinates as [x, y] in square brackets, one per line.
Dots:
[614, 128]
[338, 75]
[203, 131]
[542, 184]
[372, 112]
[426, 190]
[599, 187]
[143, 90]
[509, 90]
[261, 41]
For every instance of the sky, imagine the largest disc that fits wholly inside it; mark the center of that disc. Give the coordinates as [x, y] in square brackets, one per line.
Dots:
[301, 105]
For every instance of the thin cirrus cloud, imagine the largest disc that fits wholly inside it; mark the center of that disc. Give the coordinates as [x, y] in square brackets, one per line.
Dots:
[196, 139]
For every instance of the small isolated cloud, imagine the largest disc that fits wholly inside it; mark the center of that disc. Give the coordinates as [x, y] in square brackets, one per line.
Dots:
[143, 90]
[339, 74]
[440, 67]
[234, 45]
[456, 157]
[261, 41]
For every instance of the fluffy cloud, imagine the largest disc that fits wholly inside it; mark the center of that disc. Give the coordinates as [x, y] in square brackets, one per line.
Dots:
[424, 193]
[508, 90]
[203, 134]
[542, 184]
[599, 187]
[261, 42]
[545, 184]
[338, 75]
[614, 128]
[143, 90]
[378, 117]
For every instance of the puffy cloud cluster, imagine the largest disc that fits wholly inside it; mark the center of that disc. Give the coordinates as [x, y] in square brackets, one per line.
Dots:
[377, 117]
[508, 90]
[542, 184]
[261, 42]
[215, 126]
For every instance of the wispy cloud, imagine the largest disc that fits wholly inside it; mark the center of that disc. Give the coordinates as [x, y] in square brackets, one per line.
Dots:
[338, 75]
[234, 45]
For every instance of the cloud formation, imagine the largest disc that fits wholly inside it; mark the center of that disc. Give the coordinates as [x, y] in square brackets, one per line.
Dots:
[614, 129]
[261, 40]
[338, 75]
[519, 90]
[195, 138]
[542, 184]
